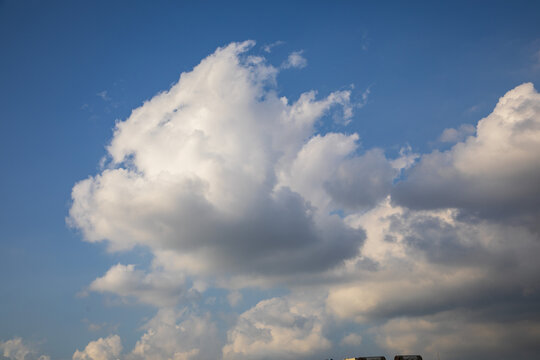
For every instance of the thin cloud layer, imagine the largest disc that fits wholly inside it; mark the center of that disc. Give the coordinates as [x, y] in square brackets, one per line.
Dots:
[177, 335]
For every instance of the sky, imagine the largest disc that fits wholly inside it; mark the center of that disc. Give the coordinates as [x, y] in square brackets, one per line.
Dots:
[281, 180]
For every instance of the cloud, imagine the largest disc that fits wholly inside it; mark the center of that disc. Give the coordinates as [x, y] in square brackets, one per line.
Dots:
[228, 184]
[295, 60]
[108, 348]
[17, 349]
[452, 135]
[352, 339]
[234, 298]
[453, 335]
[277, 328]
[425, 262]
[104, 95]
[493, 174]
[170, 334]
[157, 288]
[196, 172]
[268, 48]
[177, 335]
[327, 172]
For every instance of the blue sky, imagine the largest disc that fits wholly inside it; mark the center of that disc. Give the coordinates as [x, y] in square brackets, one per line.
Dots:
[406, 71]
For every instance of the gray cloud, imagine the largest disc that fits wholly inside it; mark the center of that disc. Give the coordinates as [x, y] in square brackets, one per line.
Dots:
[495, 174]
[453, 335]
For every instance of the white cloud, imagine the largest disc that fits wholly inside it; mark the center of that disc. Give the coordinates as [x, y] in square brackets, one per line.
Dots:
[176, 335]
[195, 173]
[295, 60]
[17, 349]
[157, 288]
[268, 48]
[108, 348]
[277, 328]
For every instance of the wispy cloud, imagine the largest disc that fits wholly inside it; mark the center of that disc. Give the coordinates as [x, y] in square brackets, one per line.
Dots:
[295, 60]
[268, 48]
[104, 95]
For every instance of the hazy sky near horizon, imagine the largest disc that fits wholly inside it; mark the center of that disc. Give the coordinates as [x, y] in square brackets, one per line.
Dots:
[282, 180]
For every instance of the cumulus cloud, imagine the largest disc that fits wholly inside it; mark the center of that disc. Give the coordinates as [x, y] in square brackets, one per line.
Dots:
[157, 288]
[173, 334]
[279, 328]
[493, 174]
[17, 349]
[108, 348]
[170, 334]
[198, 171]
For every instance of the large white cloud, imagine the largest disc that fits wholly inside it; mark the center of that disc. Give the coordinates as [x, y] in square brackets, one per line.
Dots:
[158, 288]
[425, 262]
[211, 171]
